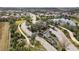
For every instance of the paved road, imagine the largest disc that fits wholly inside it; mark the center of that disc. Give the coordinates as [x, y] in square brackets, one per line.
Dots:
[43, 42]
[63, 39]
[73, 39]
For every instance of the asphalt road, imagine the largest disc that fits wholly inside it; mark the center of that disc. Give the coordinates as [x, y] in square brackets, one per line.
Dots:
[73, 39]
[68, 45]
[43, 42]
[59, 34]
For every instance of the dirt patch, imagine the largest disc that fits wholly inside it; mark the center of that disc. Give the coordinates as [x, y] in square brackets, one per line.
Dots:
[4, 36]
[1, 26]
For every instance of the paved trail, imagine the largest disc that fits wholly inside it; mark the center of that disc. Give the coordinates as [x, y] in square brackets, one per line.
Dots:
[73, 39]
[68, 45]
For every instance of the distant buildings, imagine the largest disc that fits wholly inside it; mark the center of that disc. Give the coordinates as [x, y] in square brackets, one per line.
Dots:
[56, 12]
[63, 21]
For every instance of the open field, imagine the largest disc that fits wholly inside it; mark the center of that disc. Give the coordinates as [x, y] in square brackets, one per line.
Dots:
[1, 26]
[4, 36]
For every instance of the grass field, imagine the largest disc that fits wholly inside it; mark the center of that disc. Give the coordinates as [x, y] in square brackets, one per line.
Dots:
[4, 36]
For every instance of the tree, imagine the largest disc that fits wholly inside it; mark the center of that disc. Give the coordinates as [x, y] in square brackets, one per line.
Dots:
[28, 19]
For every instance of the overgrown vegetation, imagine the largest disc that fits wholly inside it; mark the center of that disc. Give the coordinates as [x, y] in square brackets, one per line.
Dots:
[17, 42]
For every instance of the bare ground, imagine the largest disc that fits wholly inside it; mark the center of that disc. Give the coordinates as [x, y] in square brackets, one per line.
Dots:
[4, 36]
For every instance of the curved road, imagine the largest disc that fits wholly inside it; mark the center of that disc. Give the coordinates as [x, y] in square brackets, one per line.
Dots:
[43, 42]
[27, 39]
[63, 39]
[23, 29]
[59, 34]
[73, 39]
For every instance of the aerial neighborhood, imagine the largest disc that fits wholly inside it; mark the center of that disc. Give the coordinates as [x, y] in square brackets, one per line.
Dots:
[39, 29]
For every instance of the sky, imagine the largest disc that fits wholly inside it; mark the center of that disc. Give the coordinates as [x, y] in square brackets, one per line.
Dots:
[39, 3]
